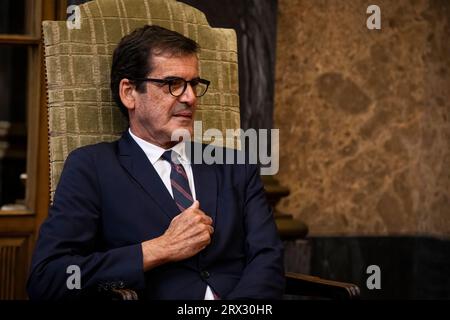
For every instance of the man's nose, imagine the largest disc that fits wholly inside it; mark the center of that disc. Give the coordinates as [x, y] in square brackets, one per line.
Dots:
[188, 95]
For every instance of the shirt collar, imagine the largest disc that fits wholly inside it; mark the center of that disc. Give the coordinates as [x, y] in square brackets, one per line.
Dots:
[154, 152]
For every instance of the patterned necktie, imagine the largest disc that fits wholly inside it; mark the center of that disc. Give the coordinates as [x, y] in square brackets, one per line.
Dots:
[179, 182]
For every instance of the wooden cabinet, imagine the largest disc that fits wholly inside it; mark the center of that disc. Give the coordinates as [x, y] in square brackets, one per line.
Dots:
[25, 150]
[16, 240]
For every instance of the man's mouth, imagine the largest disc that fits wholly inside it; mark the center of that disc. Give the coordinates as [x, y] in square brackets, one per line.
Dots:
[184, 114]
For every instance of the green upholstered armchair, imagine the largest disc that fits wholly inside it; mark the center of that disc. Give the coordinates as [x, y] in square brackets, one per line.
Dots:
[81, 110]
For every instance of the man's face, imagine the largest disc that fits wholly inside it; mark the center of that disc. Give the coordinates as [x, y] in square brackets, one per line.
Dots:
[157, 113]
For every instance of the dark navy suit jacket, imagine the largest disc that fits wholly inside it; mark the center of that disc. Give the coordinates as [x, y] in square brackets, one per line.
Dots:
[110, 199]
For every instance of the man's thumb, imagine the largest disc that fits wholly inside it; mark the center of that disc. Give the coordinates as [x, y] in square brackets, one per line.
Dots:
[195, 205]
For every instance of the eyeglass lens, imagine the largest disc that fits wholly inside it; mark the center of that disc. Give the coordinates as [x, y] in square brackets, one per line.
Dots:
[178, 86]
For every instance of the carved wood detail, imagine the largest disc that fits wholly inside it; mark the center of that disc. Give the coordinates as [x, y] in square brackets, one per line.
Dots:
[14, 253]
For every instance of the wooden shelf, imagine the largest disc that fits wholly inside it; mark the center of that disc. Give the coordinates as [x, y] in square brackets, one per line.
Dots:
[19, 39]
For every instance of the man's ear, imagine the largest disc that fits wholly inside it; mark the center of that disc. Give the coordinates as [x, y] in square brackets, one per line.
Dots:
[126, 93]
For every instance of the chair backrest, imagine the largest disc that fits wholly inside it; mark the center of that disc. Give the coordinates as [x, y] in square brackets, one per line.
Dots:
[78, 62]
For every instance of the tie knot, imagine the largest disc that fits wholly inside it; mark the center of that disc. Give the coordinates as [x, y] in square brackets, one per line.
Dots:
[170, 156]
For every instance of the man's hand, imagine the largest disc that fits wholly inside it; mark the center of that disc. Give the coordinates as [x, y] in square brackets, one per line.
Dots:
[188, 233]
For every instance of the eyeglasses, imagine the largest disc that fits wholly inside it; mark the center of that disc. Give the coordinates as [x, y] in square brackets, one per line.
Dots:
[177, 86]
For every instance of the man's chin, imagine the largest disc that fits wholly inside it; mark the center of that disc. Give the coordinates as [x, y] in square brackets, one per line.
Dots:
[182, 133]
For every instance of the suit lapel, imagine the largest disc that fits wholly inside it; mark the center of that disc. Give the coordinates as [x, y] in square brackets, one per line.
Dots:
[134, 160]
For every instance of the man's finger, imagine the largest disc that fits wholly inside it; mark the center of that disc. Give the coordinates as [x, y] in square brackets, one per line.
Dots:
[206, 219]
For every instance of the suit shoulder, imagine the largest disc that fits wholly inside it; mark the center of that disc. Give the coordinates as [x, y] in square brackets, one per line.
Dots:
[94, 151]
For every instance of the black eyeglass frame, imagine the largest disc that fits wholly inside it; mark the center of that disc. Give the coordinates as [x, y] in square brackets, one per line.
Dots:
[169, 81]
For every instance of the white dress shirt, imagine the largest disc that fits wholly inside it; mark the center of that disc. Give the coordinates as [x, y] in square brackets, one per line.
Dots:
[163, 167]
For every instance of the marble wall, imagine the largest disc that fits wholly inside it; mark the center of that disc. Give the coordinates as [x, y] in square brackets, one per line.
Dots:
[364, 116]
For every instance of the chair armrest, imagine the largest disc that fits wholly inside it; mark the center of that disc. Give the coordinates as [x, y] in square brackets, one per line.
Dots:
[306, 285]
[296, 284]
[122, 294]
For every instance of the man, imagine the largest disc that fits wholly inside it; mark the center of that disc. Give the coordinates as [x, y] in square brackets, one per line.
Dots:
[128, 214]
